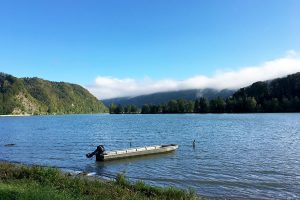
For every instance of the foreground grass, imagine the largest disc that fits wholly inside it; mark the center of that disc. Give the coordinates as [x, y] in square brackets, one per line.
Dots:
[22, 182]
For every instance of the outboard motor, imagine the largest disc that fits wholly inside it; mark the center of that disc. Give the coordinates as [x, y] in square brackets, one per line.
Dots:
[98, 152]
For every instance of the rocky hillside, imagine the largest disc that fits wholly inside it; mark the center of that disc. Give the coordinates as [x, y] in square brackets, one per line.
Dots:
[38, 96]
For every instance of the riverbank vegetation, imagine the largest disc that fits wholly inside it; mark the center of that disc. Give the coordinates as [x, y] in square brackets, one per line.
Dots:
[278, 95]
[22, 182]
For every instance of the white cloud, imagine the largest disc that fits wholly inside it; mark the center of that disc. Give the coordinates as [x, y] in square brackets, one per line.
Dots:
[110, 87]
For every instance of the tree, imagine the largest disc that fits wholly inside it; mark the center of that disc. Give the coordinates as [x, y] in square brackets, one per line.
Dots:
[1, 102]
[119, 110]
[203, 105]
[250, 104]
[154, 109]
[112, 108]
[145, 109]
[127, 109]
[217, 105]
[271, 105]
[296, 104]
[172, 106]
[230, 105]
[133, 109]
[286, 105]
[181, 106]
[189, 107]
[196, 106]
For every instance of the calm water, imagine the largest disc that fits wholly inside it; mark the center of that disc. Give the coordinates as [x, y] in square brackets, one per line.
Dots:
[236, 156]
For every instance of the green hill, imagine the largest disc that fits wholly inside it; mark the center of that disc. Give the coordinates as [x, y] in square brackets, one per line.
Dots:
[38, 96]
[278, 95]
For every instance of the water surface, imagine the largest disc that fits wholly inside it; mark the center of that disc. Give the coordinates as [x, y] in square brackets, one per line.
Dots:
[236, 155]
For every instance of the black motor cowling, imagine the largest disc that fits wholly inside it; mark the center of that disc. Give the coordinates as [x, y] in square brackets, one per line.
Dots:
[99, 151]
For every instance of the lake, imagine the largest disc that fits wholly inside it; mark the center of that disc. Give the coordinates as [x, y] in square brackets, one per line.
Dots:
[236, 155]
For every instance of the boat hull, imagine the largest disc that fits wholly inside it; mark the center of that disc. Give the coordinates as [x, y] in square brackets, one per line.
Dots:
[134, 152]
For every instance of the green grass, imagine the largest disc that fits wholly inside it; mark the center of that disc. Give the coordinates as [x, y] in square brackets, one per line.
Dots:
[22, 182]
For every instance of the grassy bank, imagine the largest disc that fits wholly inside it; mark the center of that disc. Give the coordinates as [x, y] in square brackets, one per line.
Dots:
[23, 182]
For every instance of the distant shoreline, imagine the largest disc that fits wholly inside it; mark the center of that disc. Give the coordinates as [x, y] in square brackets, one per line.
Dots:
[23, 115]
[28, 115]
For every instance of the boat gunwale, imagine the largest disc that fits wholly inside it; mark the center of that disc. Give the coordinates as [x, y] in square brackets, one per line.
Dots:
[156, 147]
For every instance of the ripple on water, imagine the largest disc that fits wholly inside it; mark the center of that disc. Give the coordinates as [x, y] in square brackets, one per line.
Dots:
[236, 156]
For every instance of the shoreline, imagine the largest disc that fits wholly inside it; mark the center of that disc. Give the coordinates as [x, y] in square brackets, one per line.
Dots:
[258, 113]
[18, 115]
[81, 185]
[66, 171]
[54, 114]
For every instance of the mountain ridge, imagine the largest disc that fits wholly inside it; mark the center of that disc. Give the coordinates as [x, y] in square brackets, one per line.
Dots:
[164, 97]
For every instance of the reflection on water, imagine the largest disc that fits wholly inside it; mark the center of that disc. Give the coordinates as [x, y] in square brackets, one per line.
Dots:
[236, 156]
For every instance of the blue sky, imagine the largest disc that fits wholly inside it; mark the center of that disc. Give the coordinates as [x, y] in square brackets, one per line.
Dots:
[78, 41]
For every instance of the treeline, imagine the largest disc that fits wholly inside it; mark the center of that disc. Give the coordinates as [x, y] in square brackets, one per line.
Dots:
[173, 106]
[128, 109]
[229, 105]
[219, 105]
[279, 95]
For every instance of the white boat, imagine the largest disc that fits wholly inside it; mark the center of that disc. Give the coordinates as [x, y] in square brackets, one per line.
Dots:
[133, 152]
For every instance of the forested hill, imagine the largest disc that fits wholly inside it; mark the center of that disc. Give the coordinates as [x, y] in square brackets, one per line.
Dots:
[38, 96]
[164, 97]
[278, 95]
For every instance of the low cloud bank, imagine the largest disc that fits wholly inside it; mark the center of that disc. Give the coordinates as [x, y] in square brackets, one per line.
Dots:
[110, 87]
